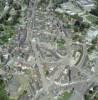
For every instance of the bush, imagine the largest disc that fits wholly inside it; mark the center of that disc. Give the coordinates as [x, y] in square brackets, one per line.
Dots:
[1, 28]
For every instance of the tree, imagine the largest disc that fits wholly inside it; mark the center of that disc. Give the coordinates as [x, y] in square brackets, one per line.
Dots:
[94, 41]
[3, 94]
[91, 48]
[10, 2]
[95, 11]
[96, 4]
[1, 27]
[17, 6]
[47, 72]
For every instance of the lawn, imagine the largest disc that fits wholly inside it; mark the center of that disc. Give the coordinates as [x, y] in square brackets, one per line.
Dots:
[81, 54]
[92, 18]
[60, 43]
[65, 96]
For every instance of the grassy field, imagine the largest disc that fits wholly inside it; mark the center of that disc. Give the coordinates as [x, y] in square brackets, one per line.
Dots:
[60, 43]
[92, 18]
[65, 96]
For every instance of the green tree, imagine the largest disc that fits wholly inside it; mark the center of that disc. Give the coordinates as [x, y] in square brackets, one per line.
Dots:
[94, 41]
[96, 4]
[95, 11]
[3, 94]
